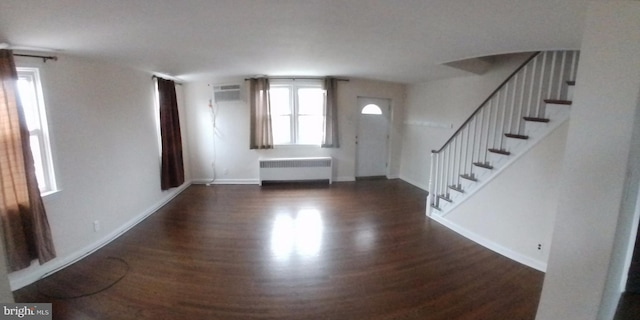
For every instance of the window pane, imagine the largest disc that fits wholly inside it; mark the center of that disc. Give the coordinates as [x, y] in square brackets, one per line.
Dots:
[281, 129]
[279, 97]
[310, 129]
[34, 142]
[371, 109]
[33, 107]
[311, 101]
[27, 93]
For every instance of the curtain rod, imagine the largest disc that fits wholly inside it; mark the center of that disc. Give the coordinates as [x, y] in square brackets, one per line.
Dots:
[44, 58]
[156, 77]
[299, 78]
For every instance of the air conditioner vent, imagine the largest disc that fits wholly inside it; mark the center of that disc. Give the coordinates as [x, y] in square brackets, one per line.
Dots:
[225, 93]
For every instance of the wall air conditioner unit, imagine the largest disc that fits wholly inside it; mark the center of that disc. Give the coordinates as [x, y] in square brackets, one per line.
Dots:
[226, 93]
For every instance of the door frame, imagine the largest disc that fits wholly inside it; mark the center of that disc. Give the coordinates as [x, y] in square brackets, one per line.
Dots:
[388, 140]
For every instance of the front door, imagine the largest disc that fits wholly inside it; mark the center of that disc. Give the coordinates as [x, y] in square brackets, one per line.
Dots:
[372, 137]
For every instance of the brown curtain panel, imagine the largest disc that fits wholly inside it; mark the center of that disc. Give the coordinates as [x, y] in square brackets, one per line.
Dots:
[261, 132]
[330, 134]
[172, 171]
[27, 235]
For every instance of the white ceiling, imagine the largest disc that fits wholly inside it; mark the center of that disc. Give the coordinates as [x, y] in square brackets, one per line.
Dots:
[394, 40]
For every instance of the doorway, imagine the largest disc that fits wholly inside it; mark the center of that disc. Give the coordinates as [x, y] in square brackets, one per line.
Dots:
[372, 137]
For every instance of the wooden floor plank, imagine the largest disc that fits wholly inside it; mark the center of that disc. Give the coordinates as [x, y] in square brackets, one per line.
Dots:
[355, 250]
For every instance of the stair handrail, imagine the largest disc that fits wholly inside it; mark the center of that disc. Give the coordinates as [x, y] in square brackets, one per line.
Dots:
[486, 100]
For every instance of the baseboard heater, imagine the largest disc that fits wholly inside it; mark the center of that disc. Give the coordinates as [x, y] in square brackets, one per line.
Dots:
[295, 169]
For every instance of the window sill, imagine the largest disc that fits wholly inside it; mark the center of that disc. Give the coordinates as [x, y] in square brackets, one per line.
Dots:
[50, 194]
[287, 146]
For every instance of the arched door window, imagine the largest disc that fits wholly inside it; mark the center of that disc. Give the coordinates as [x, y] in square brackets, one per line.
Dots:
[371, 109]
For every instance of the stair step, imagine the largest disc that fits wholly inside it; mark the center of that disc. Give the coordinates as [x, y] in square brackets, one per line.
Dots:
[500, 151]
[444, 197]
[436, 207]
[483, 165]
[571, 83]
[456, 188]
[556, 101]
[516, 136]
[535, 119]
[468, 177]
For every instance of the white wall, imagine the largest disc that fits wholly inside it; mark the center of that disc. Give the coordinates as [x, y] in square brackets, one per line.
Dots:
[228, 147]
[595, 181]
[102, 123]
[437, 108]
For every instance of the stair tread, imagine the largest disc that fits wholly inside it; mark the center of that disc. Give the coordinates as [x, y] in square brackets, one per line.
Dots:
[558, 101]
[516, 136]
[436, 207]
[483, 165]
[445, 198]
[571, 82]
[468, 177]
[456, 189]
[500, 151]
[536, 119]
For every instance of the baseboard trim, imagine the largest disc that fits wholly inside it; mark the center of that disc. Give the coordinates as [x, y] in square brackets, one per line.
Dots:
[226, 181]
[34, 273]
[414, 183]
[492, 245]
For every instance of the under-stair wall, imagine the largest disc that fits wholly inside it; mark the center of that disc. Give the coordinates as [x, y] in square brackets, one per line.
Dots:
[514, 214]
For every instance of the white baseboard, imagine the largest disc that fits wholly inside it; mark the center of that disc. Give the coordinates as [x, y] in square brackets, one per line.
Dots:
[513, 255]
[36, 272]
[414, 183]
[254, 181]
[226, 181]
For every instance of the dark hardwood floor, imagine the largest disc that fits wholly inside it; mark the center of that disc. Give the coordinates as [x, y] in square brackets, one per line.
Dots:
[356, 250]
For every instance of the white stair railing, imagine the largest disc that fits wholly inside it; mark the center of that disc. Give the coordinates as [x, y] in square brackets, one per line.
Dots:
[521, 96]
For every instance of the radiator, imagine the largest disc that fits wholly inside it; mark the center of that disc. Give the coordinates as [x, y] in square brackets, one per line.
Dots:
[295, 169]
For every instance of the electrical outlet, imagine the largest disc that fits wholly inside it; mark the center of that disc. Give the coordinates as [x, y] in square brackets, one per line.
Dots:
[96, 226]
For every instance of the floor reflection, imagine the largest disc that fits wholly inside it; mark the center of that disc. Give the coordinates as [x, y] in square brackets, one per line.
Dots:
[297, 234]
[365, 238]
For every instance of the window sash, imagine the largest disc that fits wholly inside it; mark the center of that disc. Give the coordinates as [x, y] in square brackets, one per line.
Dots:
[305, 121]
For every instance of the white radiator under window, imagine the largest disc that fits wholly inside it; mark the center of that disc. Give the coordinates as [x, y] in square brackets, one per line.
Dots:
[295, 169]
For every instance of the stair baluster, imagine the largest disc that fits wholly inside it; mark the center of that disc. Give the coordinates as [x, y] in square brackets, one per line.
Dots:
[483, 136]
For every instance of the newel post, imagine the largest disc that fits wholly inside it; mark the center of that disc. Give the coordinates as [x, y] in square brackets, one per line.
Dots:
[431, 189]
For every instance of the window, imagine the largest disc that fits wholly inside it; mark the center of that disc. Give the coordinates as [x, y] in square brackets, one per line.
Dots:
[297, 109]
[30, 91]
[371, 109]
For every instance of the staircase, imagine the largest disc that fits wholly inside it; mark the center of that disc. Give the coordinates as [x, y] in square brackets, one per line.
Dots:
[527, 106]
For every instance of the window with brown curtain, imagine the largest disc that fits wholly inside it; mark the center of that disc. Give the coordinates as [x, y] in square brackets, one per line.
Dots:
[330, 133]
[172, 171]
[27, 235]
[261, 132]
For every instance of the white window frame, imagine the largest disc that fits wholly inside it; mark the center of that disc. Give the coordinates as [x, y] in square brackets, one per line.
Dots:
[294, 85]
[46, 180]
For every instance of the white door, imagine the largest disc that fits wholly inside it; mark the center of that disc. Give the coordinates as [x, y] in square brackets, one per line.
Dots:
[373, 137]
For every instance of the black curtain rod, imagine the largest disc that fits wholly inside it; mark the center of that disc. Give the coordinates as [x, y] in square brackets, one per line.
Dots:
[298, 78]
[44, 58]
[156, 77]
